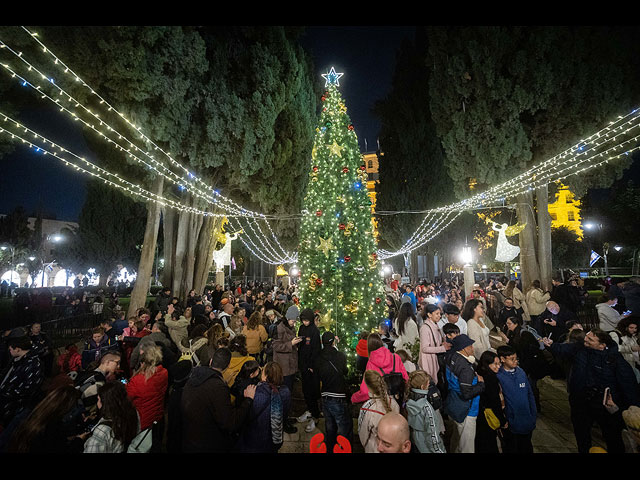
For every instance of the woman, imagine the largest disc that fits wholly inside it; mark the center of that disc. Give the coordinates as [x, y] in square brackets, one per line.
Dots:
[239, 356]
[473, 312]
[431, 342]
[264, 432]
[249, 375]
[626, 337]
[197, 344]
[490, 400]
[519, 301]
[54, 425]
[147, 387]
[119, 422]
[536, 301]
[406, 327]
[378, 404]
[380, 360]
[235, 326]
[178, 326]
[255, 334]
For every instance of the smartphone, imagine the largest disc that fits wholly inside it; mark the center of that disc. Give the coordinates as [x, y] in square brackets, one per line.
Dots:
[606, 396]
[123, 380]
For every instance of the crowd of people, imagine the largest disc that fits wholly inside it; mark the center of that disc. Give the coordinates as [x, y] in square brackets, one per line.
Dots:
[445, 371]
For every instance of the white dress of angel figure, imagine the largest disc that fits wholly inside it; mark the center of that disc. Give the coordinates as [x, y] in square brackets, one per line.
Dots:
[505, 252]
[222, 257]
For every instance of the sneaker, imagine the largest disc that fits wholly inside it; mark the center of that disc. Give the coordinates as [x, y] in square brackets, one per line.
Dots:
[311, 426]
[304, 417]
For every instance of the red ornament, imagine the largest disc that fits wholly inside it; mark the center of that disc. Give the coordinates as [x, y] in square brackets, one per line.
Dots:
[350, 127]
[318, 281]
[374, 255]
[363, 168]
[318, 213]
[342, 226]
[323, 98]
[347, 258]
[378, 300]
[345, 169]
[315, 168]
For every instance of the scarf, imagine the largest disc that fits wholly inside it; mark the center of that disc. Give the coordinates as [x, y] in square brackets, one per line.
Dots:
[276, 416]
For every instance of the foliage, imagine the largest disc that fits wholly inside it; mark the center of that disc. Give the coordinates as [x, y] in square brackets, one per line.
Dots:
[16, 235]
[568, 250]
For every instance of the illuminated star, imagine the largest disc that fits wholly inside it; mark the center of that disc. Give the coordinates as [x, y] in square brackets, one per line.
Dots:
[332, 77]
[325, 320]
[336, 149]
[325, 246]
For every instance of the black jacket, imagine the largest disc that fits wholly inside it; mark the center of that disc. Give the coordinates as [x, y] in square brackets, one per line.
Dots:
[310, 347]
[332, 376]
[208, 418]
[20, 385]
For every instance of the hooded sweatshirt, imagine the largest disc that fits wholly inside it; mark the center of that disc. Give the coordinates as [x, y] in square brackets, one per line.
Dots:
[380, 358]
[424, 423]
[520, 404]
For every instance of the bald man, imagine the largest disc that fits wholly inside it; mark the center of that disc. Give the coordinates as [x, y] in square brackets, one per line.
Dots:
[553, 320]
[393, 434]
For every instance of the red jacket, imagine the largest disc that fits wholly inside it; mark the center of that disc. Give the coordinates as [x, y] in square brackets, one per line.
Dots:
[147, 395]
[379, 358]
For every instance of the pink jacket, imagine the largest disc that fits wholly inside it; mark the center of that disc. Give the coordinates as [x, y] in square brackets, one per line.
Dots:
[380, 358]
[428, 360]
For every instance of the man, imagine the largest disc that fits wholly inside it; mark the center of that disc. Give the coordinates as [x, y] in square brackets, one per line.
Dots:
[561, 295]
[285, 353]
[96, 346]
[308, 352]
[42, 346]
[331, 367]
[452, 315]
[507, 311]
[198, 309]
[224, 317]
[520, 404]
[463, 382]
[408, 292]
[631, 293]
[553, 321]
[209, 420]
[601, 385]
[89, 382]
[163, 299]
[20, 381]
[109, 331]
[608, 315]
[393, 434]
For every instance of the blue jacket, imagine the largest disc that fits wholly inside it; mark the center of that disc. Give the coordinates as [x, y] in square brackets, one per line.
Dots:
[520, 404]
[599, 369]
[462, 378]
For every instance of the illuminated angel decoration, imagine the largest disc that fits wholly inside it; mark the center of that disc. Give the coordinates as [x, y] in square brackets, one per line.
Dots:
[222, 257]
[505, 252]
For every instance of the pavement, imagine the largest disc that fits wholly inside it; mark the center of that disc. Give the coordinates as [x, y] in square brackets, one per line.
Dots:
[553, 433]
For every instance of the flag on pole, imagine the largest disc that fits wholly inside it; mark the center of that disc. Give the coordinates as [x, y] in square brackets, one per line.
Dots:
[594, 258]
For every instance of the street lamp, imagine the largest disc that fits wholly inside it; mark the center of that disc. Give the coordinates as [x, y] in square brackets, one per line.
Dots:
[605, 246]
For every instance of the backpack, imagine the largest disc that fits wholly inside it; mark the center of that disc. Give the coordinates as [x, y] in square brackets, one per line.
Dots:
[394, 380]
[190, 355]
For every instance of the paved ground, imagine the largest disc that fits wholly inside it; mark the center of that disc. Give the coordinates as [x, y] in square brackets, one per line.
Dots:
[553, 433]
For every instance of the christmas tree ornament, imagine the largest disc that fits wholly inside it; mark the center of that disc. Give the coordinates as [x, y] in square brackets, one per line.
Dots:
[319, 282]
[325, 320]
[345, 169]
[336, 149]
[318, 213]
[325, 246]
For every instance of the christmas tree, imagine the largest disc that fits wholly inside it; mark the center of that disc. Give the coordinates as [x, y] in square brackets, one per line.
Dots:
[339, 271]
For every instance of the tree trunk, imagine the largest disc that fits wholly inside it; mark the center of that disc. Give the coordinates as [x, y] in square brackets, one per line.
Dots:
[169, 218]
[206, 246]
[182, 235]
[527, 239]
[141, 287]
[544, 238]
[413, 267]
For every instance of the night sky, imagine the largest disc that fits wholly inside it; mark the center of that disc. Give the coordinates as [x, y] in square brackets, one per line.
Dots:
[366, 56]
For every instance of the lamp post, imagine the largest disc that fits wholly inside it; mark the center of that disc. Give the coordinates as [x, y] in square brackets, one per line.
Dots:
[605, 245]
[469, 277]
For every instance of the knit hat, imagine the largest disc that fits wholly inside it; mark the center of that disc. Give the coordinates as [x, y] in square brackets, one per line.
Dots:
[307, 314]
[292, 312]
[461, 342]
[328, 339]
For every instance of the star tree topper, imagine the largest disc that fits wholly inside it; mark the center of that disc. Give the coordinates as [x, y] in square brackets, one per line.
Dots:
[332, 77]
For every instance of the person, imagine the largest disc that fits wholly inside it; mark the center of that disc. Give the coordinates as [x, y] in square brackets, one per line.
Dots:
[518, 299]
[631, 292]
[53, 426]
[597, 368]
[362, 355]
[264, 431]
[308, 351]
[21, 379]
[408, 292]
[224, 317]
[473, 313]
[156, 337]
[536, 301]
[255, 334]
[490, 407]
[119, 421]
[249, 374]
[239, 356]
[147, 389]
[432, 346]
[425, 423]
[383, 361]
[508, 311]
[385, 335]
[177, 325]
[96, 346]
[209, 420]
[179, 373]
[406, 327]
[631, 434]
[553, 321]
[285, 351]
[331, 366]
[626, 337]
[409, 366]
[88, 382]
[520, 404]
[608, 316]
[163, 300]
[452, 315]
[70, 361]
[464, 386]
[42, 346]
[393, 434]
[378, 404]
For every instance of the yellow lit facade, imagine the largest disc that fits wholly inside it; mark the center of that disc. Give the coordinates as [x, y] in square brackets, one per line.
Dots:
[371, 164]
[565, 211]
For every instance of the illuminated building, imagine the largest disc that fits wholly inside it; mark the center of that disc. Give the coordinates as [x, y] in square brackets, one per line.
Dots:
[565, 211]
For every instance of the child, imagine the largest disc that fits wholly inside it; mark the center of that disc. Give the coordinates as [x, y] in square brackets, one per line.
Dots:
[379, 404]
[406, 360]
[362, 354]
[383, 331]
[450, 331]
[249, 374]
[425, 423]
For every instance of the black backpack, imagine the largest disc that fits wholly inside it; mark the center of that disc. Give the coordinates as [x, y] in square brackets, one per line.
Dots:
[395, 381]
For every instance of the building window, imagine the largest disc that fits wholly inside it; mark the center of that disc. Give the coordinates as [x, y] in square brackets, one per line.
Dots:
[571, 217]
[370, 164]
[554, 216]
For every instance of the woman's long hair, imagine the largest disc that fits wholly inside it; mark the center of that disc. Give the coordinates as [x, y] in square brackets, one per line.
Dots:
[486, 359]
[405, 313]
[508, 291]
[255, 320]
[150, 358]
[378, 388]
[374, 342]
[50, 410]
[469, 307]
[118, 410]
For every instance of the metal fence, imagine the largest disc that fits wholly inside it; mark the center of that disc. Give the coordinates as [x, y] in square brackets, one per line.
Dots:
[65, 330]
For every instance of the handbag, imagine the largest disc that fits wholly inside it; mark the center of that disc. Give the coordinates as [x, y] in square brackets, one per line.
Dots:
[394, 380]
[142, 442]
[491, 419]
[456, 407]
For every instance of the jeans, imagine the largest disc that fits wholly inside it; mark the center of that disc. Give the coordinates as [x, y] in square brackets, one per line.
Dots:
[337, 420]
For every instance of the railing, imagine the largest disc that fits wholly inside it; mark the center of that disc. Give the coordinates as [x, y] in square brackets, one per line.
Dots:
[63, 331]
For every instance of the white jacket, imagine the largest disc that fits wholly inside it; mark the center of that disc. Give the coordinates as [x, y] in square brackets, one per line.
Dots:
[536, 301]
